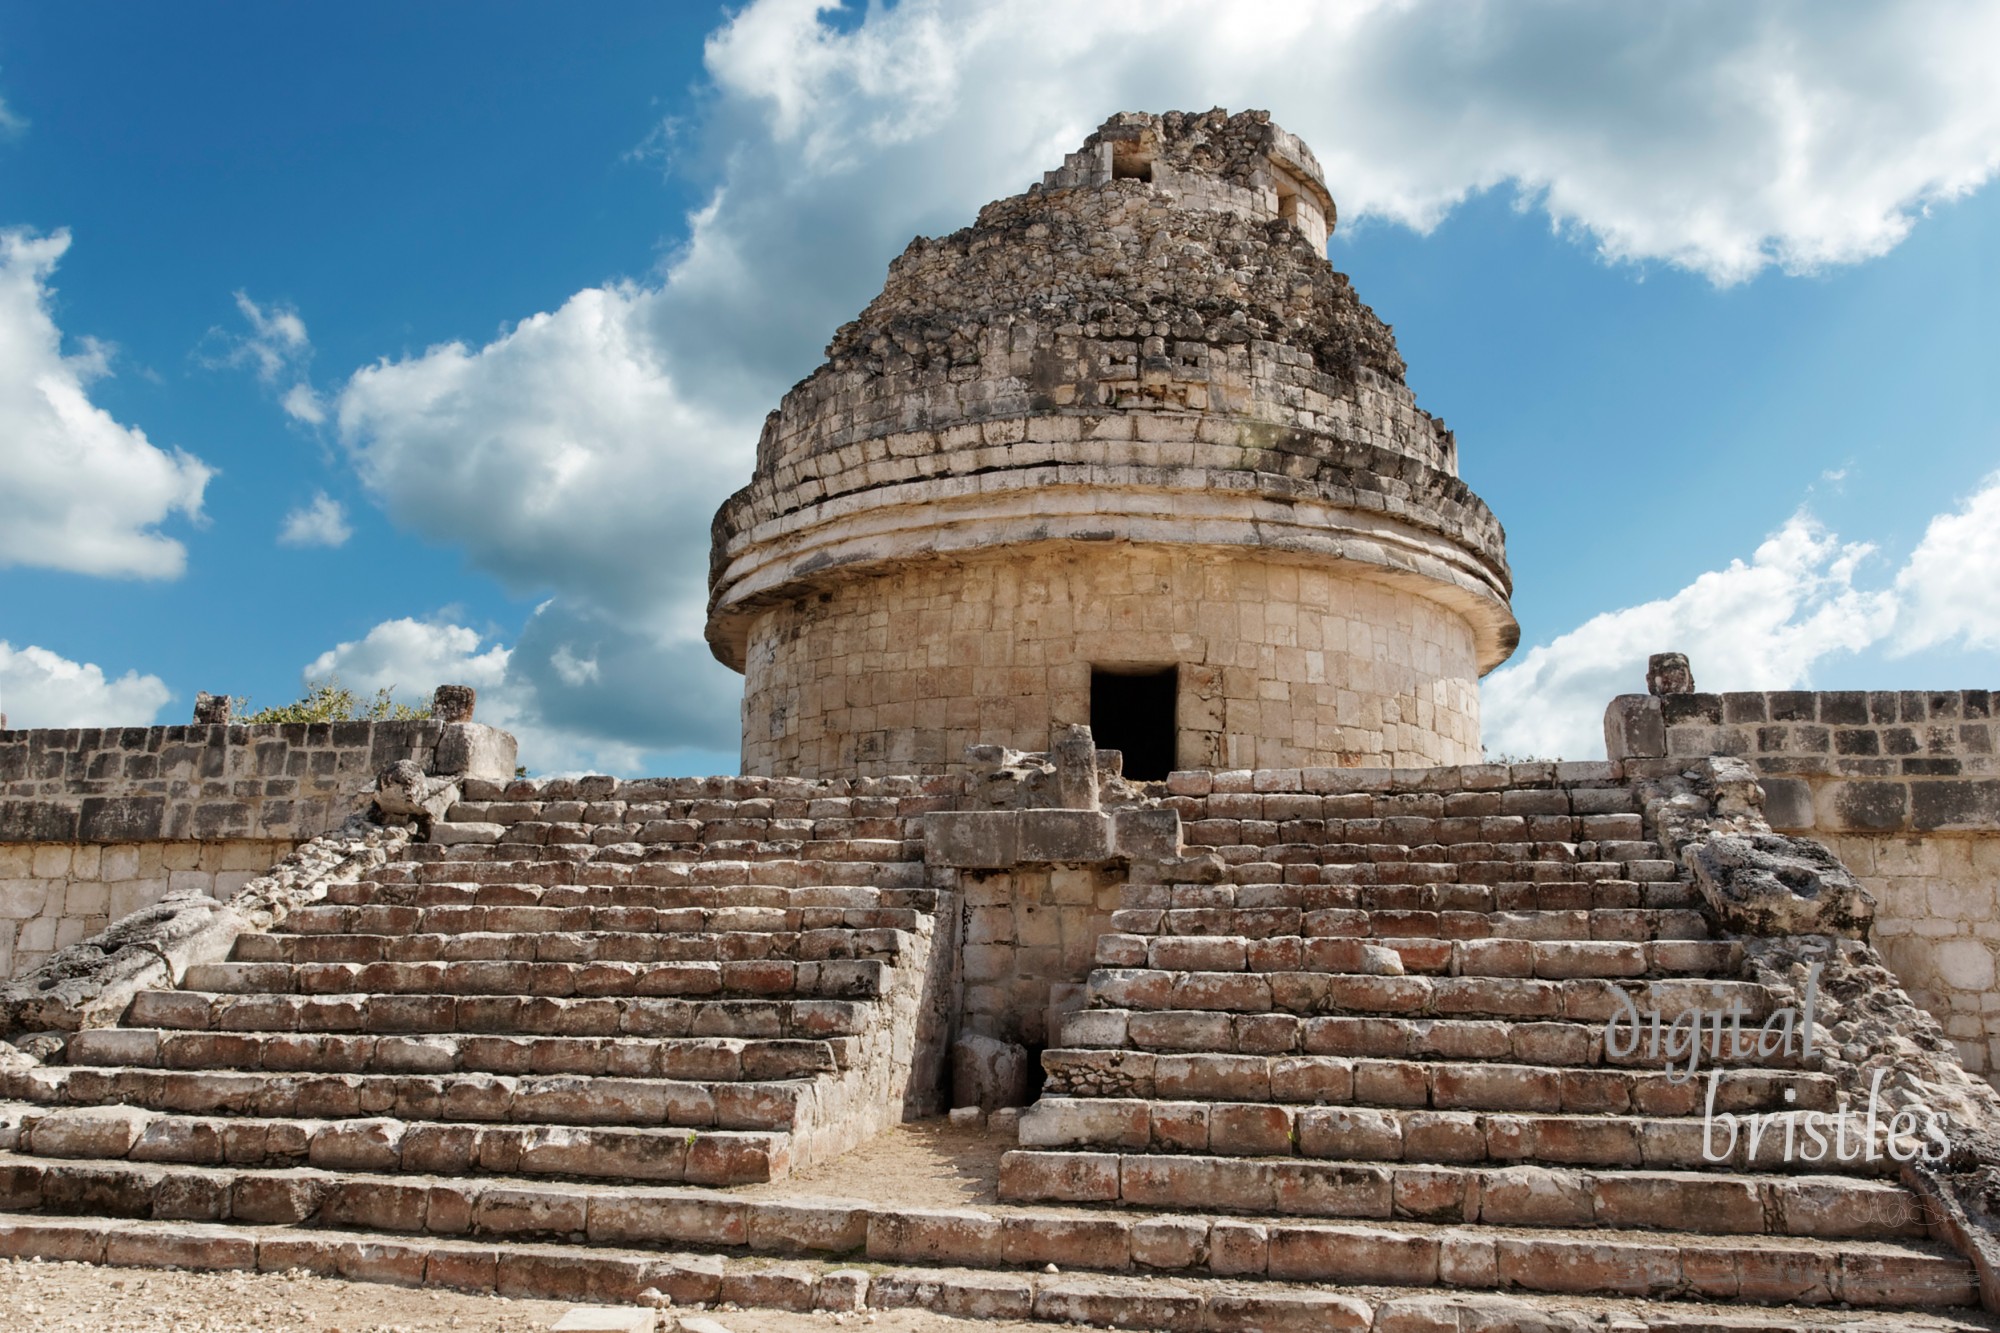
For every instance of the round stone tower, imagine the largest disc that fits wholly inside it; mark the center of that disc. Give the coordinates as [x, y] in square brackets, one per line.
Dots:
[1125, 452]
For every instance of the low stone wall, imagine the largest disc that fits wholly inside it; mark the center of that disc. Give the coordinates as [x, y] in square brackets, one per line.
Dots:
[96, 823]
[53, 894]
[1903, 786]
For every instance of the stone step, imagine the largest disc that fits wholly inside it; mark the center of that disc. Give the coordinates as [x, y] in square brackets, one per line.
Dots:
[610, 867]
[850, 978]
[487, 1098]
[833, 817]
[387, 1144]
[1546, 959]
[706, 1060]
[1441, 1086]
[1279, 909]
[640, 886]
[1292, 819]
[1555, 865]
[1586, 1000]
[833, 942]
[718, 840]
[1553, 1042]
[1347, 1133]
[1409, 911]
[488, 1228]
[1609, 798]
[397, 919]
[1711, 1203]
[527, 1015]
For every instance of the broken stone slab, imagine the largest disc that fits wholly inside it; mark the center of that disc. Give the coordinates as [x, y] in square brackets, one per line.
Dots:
[404, 791]
[474, 750]
[606, 1319]
[1775, 884]
[467, 834]
[1634, 728]
[987, 1073]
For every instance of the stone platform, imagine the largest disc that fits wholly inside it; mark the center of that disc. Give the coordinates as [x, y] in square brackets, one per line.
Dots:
[1340, 1062]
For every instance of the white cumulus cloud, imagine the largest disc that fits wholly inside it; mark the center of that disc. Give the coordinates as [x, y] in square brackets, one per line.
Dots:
[1951, 585]
[39, 688]
[321, 523]
[1760, 625]
[78, 490]
[519, 689]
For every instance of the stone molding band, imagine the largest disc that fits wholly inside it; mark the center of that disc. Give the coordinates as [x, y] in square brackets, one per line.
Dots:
[787, 556]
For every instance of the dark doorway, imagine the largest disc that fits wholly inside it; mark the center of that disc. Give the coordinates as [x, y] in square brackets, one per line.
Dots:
[1132, 711]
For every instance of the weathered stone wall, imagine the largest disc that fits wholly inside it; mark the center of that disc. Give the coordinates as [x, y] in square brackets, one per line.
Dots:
[96, 823]
[1030, 935]
[53, 894]
[1280, 665]
[1904, 786]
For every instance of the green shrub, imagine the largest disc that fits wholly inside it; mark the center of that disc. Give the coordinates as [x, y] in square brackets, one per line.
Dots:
[327, 700]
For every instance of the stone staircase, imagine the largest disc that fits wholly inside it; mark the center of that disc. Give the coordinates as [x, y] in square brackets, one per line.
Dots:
[1379, 1035]
[673, 985]
[1343, 1067]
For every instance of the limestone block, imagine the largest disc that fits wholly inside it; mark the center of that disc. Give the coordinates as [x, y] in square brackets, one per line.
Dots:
[474, 750]
[1966, 965]
[1064, 836]
[607, 1319]
[988, 1073]
[1868, 807]
[973, 839]
[1788, 804]
[21, 899]
[1634, 728]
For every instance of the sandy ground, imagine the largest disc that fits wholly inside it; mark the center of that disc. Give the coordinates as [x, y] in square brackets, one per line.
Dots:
[84, 1298]
[922, 1164]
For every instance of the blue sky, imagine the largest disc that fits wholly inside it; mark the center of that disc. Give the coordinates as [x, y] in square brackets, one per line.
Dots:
[419, 342]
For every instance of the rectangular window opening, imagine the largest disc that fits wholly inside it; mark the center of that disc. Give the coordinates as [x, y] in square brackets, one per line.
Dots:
[1132, 711]
[1131, 162]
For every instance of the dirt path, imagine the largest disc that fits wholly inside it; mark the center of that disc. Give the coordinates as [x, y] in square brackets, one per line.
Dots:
[84, 1298]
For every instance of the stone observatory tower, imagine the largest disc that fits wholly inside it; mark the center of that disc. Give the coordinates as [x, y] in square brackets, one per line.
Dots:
[1126, 452]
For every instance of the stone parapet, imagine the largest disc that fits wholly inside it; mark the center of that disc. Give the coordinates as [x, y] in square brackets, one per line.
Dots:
[1902, 785]
[99, 823]
[206, 783]
[1878, 761]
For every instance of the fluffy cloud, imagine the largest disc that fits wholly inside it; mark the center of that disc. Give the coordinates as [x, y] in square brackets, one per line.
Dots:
[78, 491]
[1951, 585]
[581, 453]
[1764, 625]
[10, 123]
[277, 349]
[1756, 626]
[39, 688]
[321, 523]
[579, 695]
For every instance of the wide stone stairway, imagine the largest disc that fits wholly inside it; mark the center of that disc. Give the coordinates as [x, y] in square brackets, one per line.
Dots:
[1381, 1037]
[1343, 1066]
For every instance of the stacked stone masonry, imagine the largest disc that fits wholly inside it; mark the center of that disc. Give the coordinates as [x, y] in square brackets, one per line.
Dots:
[96, 823]
[1140, 382]
[1279, 662]
[1345, 1032]
[1904, 786]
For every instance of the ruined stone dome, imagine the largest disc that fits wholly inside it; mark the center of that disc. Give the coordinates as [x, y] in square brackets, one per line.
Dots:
[1131, 421]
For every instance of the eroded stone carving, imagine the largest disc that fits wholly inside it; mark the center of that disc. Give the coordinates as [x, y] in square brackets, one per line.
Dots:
[404, 791]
